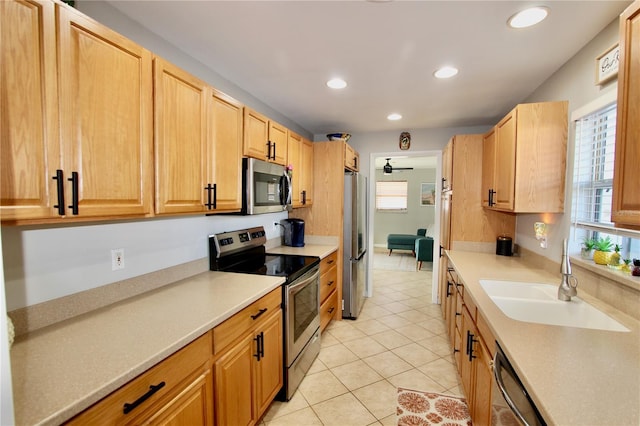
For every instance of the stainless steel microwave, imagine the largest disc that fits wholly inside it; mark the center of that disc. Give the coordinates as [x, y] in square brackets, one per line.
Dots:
[266, 187]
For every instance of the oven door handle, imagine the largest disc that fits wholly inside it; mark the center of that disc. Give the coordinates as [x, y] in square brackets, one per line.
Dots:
[302, 284]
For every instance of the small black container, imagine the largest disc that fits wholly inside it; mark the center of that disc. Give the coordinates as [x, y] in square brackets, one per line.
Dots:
[504, 246]
[293, 232]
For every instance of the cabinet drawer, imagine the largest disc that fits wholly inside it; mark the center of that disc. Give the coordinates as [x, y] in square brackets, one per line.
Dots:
[328, 262]
[458, 313]
[172, 372]
[328, 310]
[243, 321]
[471, 306]
[486, 334]
[328, 281]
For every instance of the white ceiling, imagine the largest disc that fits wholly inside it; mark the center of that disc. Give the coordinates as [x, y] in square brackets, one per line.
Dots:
[283, 52]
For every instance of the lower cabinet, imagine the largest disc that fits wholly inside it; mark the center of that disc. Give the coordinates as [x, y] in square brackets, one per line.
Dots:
[229, 376]
[248, 365]
[178, 390]
[471, 340]
[328, 293]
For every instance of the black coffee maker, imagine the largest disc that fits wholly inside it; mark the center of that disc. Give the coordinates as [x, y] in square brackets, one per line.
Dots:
[293, 232]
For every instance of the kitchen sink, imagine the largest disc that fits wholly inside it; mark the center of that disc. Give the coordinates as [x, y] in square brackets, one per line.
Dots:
[538, 303]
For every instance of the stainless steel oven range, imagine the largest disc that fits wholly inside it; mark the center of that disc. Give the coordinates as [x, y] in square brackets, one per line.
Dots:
[244, 251]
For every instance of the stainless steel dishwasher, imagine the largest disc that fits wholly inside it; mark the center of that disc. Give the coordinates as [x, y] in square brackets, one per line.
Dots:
[511, 404]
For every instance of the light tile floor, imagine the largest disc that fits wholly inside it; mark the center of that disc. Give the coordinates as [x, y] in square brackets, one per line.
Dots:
[399, 340]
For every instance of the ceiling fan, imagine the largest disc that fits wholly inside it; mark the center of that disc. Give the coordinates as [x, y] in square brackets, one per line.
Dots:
[387, 169]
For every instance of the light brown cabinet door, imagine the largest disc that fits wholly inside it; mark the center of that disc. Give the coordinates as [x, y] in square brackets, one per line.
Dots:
[626, 185]
[269, 368]
[505, 163]
[307, 172]
[256, 135]
[294, 159]
[488, 166]
[483, 385]
[29, 139]
[233, 384]
[192, 406]
[180, 139]
[225, 158]
[278, 138]
[105, 86]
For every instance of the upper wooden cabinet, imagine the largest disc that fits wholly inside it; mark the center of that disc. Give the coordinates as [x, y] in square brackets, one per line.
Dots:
[103, 157]
[351, 158]
[181, 143]
[626, 181]
[300, 156]
[198, 144]
[524, 160]
[264, 139]
[225, 161]
[29, 143]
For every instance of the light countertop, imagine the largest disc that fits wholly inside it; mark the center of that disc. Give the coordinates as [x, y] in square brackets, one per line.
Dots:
[60, 370]
[575, 376]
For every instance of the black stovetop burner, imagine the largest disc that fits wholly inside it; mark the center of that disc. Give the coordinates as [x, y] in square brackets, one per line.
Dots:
[243, 251]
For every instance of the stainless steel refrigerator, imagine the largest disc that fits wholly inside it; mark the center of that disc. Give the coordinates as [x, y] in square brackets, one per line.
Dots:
[354, 275]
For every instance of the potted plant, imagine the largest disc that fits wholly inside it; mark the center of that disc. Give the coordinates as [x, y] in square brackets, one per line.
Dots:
[602, 250]
[586, 251]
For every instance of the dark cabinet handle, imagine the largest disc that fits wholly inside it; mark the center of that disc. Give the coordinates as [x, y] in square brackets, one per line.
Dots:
[449, 284]
[60, 187]
[274, 151]
[471, 342]
[268, 150]
[304, 197]
[440, 254]
[330, 262]
[259, 339]
[332, 309]
[330, 283]
[491, 194]
[211, 201]
[355, 162]
[152, 389]
[260, 312]
[74, 193]
[215, 196]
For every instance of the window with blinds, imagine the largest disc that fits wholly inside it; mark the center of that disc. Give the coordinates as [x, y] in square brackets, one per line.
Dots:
[593, 167]
[391, 195]
[595, 140]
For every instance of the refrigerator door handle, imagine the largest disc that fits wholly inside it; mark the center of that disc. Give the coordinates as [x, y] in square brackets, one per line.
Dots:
[359, 258]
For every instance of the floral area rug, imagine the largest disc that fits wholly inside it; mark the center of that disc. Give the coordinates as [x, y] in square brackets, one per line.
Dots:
[416, 408]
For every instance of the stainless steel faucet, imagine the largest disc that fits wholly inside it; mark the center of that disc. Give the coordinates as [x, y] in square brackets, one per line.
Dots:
[568, 285]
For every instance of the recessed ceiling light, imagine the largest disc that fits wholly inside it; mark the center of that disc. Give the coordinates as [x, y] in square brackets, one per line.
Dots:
[337, 83]
[528, 17]
[446, 72]
[394, 117]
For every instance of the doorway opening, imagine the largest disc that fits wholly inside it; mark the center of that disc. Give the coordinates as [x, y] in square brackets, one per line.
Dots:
[416, 177]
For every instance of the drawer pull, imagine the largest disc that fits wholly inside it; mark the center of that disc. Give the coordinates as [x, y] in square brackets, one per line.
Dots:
[330, 262]
[260, 312]
[330, 283]
[332, 309]
[152, 389]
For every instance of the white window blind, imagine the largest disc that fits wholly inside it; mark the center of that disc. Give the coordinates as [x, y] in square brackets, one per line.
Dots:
[391, 195]
[593, 167]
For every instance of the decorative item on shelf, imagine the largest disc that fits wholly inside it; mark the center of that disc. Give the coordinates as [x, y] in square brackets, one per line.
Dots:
[607, 65]
[405, 140]
[586, 251]
[602, 251]
[540, 228]
[339, 137]
[614, 260]
[636, 268]
[626, 267]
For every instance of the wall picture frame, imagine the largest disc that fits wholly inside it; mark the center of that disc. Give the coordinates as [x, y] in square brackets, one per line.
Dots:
[607, 65]
[428, 194]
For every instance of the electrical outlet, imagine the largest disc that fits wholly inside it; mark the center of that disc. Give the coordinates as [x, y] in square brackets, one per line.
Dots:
[117, 259]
